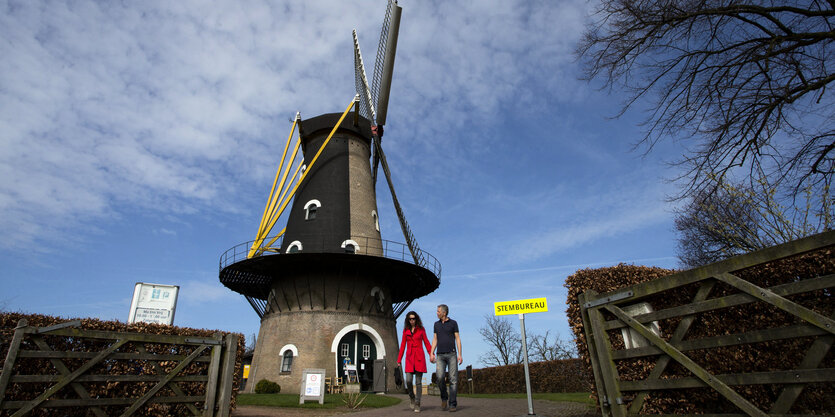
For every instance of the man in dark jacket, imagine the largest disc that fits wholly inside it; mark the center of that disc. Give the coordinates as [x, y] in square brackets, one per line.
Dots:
[447, 342]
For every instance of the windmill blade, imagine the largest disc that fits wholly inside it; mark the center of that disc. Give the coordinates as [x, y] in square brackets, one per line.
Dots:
[363, 91]
[383, 70]
[384, 63]
[381, 50]
[411, 242]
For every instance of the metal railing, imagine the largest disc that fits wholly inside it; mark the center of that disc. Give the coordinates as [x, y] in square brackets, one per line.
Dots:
[367, 246]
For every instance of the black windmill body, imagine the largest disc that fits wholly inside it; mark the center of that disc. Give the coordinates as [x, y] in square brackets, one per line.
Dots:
[328, 289]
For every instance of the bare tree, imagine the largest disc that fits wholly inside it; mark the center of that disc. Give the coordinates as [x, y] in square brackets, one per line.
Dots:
[250, 347]
[743, 80]
[737, 219]
[542, 348]
[505, 342]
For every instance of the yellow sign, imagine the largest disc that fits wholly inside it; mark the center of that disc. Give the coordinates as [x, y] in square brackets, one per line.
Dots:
[246, 371]
[533, 305]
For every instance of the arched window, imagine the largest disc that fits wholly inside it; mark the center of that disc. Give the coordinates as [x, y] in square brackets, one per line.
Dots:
[376, 219]
[287, 361]
[288, 353]
[294, 247]
[350, 246]
[311, 208]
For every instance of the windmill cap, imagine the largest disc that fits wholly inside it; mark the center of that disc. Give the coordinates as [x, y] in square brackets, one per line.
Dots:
[315, 125]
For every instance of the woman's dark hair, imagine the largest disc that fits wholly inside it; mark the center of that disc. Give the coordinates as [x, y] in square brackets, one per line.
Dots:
[418, 323]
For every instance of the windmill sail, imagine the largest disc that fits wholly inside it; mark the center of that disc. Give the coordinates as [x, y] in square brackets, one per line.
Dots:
[384, 63]
[363, 90]
[383, 69]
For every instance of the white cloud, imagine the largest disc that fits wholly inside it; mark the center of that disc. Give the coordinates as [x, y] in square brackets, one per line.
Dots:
[588, 230]
[170, 106]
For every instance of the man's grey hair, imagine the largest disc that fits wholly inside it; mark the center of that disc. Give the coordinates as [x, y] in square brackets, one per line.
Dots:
[445, 308]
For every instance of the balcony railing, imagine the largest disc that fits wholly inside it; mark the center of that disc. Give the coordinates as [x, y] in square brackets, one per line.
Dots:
[367, 246]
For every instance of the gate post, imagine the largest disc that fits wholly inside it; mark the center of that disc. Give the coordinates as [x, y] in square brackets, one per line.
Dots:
[225, 386]
[11, 356]
[608, 370]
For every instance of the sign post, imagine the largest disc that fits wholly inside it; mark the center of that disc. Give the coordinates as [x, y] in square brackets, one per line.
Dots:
[533, 305]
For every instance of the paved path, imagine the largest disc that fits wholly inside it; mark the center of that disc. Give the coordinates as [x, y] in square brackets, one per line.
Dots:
[432, 407]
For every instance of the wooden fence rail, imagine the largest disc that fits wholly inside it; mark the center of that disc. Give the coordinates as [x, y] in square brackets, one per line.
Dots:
[611, 316]
[204, 364]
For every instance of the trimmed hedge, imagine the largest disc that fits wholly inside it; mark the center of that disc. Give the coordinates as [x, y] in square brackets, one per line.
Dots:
[567, 375]
[37, 366]
[768, 356]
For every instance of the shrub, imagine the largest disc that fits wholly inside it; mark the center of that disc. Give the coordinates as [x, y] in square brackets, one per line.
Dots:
[265, 386]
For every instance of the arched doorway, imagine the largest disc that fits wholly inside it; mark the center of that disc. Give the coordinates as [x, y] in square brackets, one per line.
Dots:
[360, 345]
[357, 348]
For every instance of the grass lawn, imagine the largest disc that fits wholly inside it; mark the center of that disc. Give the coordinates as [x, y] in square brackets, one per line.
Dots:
[331, 401]
[580, 397]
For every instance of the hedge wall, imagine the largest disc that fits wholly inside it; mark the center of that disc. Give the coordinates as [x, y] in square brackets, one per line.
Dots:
[35, 366]
[768, 356]
[551, 376]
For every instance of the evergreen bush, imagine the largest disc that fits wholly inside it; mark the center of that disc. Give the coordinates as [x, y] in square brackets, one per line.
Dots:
[265, 386]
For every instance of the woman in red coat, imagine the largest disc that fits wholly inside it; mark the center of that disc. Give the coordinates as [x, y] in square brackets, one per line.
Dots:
[413, 336]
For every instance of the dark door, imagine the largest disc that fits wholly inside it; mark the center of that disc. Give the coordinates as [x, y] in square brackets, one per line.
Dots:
[357, 348]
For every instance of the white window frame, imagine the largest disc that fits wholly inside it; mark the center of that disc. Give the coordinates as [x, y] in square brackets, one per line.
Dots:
[293, 350]
[296, 244]
[376, 219]
[366, 352]
[352, 243]
[307, 206]
[344, 350]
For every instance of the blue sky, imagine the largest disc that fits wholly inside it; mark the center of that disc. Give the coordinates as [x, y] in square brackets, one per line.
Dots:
[138, 142]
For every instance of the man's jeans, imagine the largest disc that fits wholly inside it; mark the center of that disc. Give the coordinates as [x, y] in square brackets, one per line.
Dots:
[447, 360]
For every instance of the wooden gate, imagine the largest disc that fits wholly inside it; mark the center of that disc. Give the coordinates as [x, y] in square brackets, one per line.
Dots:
[613, 319]
[187, 375]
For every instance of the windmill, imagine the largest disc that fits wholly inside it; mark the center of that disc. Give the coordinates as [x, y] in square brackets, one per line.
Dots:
[327, 287]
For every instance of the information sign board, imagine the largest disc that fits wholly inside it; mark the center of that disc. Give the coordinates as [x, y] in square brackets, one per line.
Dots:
[351, 374]
[153, 303]
[313, 386]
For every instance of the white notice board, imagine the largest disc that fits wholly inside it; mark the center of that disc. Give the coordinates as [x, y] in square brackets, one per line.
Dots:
[153, 303]
[313, 386]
